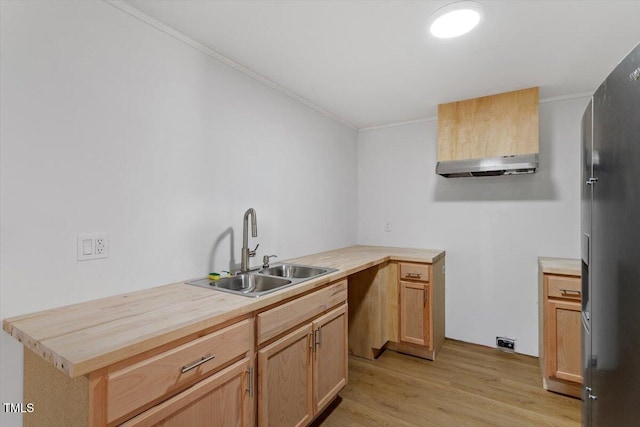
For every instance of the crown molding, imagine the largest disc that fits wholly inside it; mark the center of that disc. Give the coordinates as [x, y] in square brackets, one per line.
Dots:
[396, 124]
[566, 97]
[435, 118]
[138, 14]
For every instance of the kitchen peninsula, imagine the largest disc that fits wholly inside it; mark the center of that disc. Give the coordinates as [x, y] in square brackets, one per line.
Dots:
[128, 358]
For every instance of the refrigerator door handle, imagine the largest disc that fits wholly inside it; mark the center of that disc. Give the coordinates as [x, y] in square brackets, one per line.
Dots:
[585, 248]
[585, 320]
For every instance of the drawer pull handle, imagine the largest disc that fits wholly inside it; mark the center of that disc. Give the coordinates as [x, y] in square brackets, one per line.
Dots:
[197, 363]
[570, 291]
[414, 275]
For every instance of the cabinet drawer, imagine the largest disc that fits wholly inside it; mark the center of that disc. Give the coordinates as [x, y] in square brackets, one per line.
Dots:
[272, 323]
[166, 373]
[564, 287]
[419, 272]
[202, 401]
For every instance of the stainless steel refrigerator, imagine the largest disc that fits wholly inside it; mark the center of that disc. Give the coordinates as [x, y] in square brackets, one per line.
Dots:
[610, 226]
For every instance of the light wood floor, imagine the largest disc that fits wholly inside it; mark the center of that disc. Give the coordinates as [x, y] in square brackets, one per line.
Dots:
[468, 385]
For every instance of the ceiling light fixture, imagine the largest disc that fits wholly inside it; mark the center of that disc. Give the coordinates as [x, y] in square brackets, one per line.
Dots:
[455, 19]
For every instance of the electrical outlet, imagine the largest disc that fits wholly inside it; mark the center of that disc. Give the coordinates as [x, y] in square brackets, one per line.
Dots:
[506, 344]
[387, 226]
[93, 246]
[99, 246]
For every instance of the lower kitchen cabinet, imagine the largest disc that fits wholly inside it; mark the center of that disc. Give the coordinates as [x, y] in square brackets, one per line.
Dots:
[222, 399]
[276, 365]
[415, 311]
[561, 327]
[299, 374]
[284, 380]
[420, 309]
[400, 306]
[138, 385]
[201, 381]
[330, 361]
[564, 341]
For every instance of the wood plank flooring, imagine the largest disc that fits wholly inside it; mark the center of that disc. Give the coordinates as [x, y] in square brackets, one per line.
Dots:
[468, 385]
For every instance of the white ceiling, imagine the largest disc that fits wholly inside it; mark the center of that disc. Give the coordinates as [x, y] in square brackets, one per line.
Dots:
[371, 63]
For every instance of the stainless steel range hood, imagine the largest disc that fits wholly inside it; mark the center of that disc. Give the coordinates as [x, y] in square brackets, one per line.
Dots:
[492, 166]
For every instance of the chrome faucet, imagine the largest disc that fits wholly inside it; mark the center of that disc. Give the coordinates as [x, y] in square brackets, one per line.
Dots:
[246, 253]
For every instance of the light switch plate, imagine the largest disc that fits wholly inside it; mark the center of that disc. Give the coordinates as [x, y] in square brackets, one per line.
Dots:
[92, 246]
[87, 246]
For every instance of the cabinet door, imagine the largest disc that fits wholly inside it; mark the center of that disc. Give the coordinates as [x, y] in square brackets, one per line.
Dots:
[219, 400]
[415, 327]
[565, 329]
[284, 380]
[329, 357]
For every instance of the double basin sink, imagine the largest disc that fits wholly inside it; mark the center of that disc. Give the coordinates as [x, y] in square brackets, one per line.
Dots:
[264, 281]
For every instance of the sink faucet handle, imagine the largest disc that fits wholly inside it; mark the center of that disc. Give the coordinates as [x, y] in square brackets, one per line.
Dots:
[265, 260]
[253, 252]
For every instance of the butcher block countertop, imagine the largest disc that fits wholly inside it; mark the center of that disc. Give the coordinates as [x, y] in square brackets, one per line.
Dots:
[566, 266]
[81, 338]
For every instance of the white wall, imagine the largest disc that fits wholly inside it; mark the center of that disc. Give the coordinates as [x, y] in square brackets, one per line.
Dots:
[111, 125]
[493, 229]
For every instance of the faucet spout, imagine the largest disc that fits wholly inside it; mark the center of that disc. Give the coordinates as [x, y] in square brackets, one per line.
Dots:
[246, 253]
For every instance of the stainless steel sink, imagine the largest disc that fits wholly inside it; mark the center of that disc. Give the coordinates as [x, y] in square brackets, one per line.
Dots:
[264, 281]
[294, 271]
[247, 284]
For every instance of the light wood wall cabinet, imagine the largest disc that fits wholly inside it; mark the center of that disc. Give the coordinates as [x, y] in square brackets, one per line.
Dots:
[560, 318]
[491, 126]
[300, 373]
